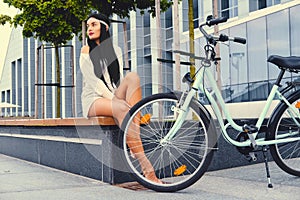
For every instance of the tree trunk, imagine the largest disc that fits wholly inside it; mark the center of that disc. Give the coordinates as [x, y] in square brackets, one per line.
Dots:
[83, 30]
[216, 32]
[58, 103]
[192, 44]
[191, 35]
[217, 50]
[159, 51]
[177, 80]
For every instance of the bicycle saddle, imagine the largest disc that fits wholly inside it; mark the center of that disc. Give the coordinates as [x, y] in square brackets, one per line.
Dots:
[290, 63]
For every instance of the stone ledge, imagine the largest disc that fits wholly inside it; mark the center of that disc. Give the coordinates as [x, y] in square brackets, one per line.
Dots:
[101, 120]
[54, 138]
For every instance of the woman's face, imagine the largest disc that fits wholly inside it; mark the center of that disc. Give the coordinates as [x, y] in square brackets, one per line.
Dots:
[93, 29]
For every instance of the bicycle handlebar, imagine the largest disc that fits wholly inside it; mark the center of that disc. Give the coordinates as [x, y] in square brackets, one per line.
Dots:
[222, 37]
[211, 22]
[240, 40]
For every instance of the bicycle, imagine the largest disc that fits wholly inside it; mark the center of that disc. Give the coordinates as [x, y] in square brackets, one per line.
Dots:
[181, 136]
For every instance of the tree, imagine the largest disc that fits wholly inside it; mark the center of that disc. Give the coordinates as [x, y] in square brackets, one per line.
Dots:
[54, 22]
[191, 34]
[4, 19]
[57, 21]
[123, 7]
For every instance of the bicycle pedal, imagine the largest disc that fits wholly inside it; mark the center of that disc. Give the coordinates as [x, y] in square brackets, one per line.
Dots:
[252, 158]
[250, 129]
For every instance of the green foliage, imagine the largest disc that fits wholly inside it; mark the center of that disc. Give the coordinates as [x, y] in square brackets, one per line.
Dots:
[123, 7]
[53, 21]
[150, 5]
[56, 21]
[4, 19]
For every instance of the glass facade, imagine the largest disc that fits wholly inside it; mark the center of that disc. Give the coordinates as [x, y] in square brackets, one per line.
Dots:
[19, 87]
[13, 87]
[246, 75]
[197, 12]
[260, 4]
[23, 81]
[228, 8]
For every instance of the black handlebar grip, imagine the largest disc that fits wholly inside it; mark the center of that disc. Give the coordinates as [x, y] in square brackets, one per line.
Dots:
[240, 40]
[223, 38]
[216, 21]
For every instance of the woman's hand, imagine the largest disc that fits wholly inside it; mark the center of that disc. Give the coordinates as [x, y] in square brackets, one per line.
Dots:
[85, 49]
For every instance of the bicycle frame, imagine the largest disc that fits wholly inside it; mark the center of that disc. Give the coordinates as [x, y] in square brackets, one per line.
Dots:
[218, 108]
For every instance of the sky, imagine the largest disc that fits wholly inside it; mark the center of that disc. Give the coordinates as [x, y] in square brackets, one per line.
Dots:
[5, 31]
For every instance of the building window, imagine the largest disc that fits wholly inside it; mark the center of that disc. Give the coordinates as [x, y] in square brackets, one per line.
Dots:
[197, 11]
[273, 2]
[257, 5]
[20, 85]
[3, 96]
[2, 100]
[228, 8]
[168, 18]
[261, 4]
[13, 81]
[8, 100]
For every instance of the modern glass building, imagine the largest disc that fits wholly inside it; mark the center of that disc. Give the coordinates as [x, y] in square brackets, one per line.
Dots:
[29, 78]
[270, 26]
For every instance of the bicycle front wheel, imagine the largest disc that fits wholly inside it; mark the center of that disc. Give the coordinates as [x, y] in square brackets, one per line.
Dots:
[285, 124]
[180, 161]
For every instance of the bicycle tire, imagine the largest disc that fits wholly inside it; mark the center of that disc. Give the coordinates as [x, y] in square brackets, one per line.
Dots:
[285, 155]
[188, 154]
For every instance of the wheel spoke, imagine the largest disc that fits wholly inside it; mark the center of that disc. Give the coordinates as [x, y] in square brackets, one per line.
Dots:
[180, 161]
[286, 125]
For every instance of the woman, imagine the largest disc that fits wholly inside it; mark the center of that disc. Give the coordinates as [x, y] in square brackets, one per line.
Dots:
[104, 92]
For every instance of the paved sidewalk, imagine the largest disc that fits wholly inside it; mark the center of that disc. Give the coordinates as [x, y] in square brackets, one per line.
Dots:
[21, 180]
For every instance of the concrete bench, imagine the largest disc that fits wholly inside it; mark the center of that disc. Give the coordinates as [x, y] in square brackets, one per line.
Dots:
[88, 147]
[101, 120]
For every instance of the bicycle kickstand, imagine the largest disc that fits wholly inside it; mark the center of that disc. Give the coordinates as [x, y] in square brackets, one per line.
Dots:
[265, 151]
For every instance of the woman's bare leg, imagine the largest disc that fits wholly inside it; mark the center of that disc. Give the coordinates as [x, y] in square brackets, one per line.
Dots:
[130, 91]
[101, 107]
[127, 94]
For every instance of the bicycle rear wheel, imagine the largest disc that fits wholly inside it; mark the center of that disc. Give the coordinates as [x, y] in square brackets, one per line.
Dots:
[181, 161]
[286, 155]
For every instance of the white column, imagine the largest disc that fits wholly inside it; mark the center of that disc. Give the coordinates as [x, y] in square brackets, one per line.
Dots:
[29, 78]
[63, 82]
[154, 55]
[35, 81]
[16, 84]
[115, 31]
[22, 78]
[53, 89]
[133, 40]
[74, 100]
[176, 43]
[45, 88]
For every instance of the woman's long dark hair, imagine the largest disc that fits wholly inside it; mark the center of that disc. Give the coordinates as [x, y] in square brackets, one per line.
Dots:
[104, 55]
